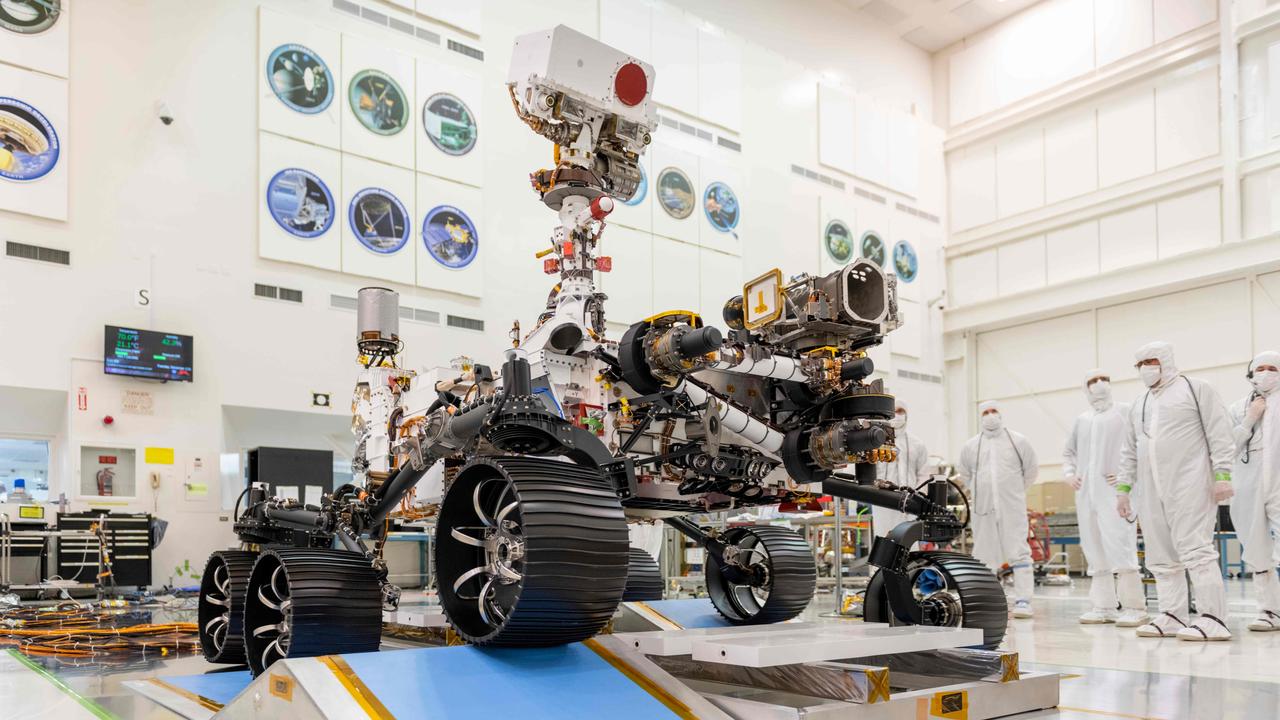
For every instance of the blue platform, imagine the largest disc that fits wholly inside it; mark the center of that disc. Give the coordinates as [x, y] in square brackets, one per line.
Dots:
[694, 613]
[220, 687]
[570, 681]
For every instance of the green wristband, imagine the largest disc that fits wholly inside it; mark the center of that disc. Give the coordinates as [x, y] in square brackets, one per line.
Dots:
[1222, 476]
[1124, 488]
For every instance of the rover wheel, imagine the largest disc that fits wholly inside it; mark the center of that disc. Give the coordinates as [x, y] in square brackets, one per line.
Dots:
[953, 590]
[220, 612]
[304, 601]
[644, 579]
[779, 581]
[530, 552]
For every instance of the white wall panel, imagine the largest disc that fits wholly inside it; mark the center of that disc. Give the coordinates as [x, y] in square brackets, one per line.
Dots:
[973, 82]
[628, 26]
[394, 143]
[1266, 313]
[1127, 238]
[1187, 126]
[1121, 28]
[836, 113]
[871, 140]
[720, 79]
[675, 59]
[973, 278]
[676, 287]
[721, 279]
[1020, 171]
[1126, 137]
[1180, 319]
[904, 153]
[1046, 420]
[1071, 155]
[1021, 265]
[908, 339]
[630, 284]
[468, 16]
[1273, 91]
[664, 223]
[711, 236]
[1072, 252]
[1047, 44]
[1036, 357]
[369, 228]
[1260, 203]
[276, 154]
[1189, 222]
[320, 125]
[442, 201]
[972, 185]
[1175, 17]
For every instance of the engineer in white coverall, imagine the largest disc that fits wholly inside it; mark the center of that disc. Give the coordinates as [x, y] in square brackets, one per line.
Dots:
[1177, 456]
[997, 466]
[910, 469]
[1255, 509]
[1090, 463]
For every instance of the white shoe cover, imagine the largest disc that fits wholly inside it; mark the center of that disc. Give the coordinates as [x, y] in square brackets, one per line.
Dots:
[1132, 617]
[1098, 616]
[1022, 610]
[1266, 621]
[1165, 625]
[1205, 629]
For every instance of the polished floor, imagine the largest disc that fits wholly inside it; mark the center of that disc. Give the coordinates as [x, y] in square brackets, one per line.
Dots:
[1108, 672]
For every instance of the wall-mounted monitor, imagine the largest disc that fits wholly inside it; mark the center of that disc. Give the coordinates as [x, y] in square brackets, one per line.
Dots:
[146, 353]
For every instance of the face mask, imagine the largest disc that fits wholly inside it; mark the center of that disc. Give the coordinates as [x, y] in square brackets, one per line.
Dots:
[1150, 374]
[1266, 381]
[991, 422]
[1100, 389]
[898, 422]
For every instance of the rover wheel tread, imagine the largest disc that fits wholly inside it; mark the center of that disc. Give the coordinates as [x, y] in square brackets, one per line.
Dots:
[220, 613]
[792, 571]
[572, 541]
[644, 579]
[303, 602]
[981, 595]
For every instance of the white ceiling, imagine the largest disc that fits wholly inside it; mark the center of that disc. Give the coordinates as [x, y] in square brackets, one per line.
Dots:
[934, 24]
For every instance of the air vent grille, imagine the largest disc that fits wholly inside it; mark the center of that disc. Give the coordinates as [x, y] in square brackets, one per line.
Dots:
[725, 142]
[343, 302]
[277, 293]
[465, 323]
[37, 252]
[378, 17]
[817, 176]
[922, 377]
[467, 50]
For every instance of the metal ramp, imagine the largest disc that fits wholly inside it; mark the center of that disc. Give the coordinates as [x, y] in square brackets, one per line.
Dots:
[651, 667]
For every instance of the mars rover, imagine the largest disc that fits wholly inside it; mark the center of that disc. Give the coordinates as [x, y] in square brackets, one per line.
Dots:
[546, 459]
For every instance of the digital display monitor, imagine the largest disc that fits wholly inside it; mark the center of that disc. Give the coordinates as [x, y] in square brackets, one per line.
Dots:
[146, 353]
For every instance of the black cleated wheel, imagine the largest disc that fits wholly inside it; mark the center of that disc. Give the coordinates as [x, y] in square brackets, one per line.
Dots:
[220, 612]
[303, 602]
[772, 581]
[953, 590]
[644, 579]
[530, 552]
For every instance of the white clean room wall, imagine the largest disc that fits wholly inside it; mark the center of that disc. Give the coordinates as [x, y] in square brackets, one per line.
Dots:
[175, 209]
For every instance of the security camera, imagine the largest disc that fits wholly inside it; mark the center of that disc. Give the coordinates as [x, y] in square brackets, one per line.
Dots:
[163, 112]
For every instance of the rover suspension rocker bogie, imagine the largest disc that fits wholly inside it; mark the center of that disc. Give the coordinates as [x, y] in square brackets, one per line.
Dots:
[534, 465]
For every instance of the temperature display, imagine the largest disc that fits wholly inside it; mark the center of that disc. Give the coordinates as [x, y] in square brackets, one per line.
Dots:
[146, 353]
